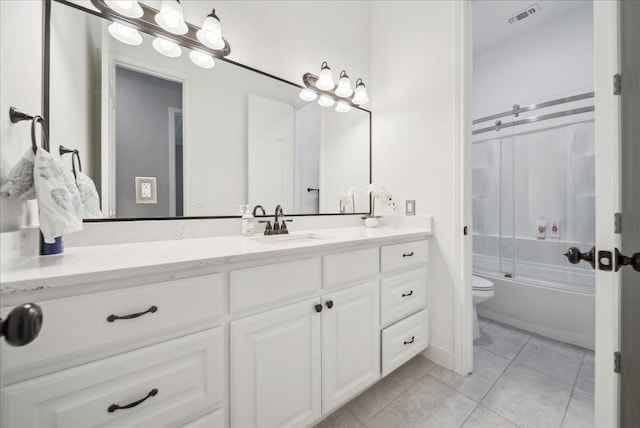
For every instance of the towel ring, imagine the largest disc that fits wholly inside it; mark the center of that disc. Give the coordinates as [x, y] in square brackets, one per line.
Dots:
[76, 156]
[45, 140]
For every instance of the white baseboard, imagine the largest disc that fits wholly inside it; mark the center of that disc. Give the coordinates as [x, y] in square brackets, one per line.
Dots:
[440, 356]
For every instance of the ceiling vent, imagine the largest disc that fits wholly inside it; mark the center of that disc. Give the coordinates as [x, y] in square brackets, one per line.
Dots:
[525, 13]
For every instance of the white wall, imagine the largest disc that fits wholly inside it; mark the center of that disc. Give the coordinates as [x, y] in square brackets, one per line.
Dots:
[547, 63]
[413, 65]
[20, 86]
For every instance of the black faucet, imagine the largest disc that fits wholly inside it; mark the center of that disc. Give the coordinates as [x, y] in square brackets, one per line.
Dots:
[259, 207]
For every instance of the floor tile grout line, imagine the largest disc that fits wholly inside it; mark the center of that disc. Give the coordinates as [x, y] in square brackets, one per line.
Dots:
[402, 392]
[573, 388]
[469, 415]
[390, 402]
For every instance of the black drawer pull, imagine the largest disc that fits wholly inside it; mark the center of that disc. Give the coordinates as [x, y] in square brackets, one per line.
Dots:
[112, 318]
[408, 254]
[413, 338]
[112, 408]
[410, 293]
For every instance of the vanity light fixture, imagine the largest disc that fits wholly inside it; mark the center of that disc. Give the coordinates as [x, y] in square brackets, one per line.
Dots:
[326, 101]
[342, 107]
[166, 47]
[343, 94]
[170, 17]
[211, 32]
[344, 86]
[129, 8]
[124, 34]
[201, 59]
[325, 82]
[307, 95]
[360, 97]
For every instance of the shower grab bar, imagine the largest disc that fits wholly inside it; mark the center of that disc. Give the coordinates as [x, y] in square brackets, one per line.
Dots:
[500, 125]
[517, 109]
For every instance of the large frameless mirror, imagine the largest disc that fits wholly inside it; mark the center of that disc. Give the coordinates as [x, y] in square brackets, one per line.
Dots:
[162, 137]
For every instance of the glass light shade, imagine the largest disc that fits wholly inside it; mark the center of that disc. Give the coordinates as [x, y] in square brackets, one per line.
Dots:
[325, 81]
[201, 59]
[326, 101]
[342, 108]
[170, 17]
[124, 34]
[211, 32]
[129, 8]
[166, 47]
[360, 97]
[307, 95]
[344, 86]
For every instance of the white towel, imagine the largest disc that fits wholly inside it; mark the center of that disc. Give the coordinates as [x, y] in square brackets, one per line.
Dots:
[88, 196]
[20, 180]
[60, 210]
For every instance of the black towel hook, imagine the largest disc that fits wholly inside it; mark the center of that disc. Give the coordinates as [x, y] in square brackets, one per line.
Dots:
[45, 140]
[18, 116]
[75, 156]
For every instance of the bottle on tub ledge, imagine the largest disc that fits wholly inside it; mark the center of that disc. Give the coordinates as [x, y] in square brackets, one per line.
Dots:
[555, 230]
[541, 228]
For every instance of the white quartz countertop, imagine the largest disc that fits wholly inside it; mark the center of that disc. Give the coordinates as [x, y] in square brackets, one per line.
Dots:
[80, 265]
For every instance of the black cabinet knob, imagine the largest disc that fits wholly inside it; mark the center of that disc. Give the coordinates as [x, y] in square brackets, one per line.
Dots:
[329, 304]
[318, 307]
[22, 325]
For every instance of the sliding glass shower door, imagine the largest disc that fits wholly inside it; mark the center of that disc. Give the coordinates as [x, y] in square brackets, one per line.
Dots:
[533, 192]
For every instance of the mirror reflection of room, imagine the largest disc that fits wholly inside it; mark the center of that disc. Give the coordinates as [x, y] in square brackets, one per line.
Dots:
[203, 139]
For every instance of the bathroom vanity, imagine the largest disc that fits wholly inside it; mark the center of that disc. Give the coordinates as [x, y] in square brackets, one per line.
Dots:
[216, 332]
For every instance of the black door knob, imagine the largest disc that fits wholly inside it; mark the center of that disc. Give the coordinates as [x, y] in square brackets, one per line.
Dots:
[622, 260]
[574, 256]
[22, 325]
[329, 304]
[318, 307]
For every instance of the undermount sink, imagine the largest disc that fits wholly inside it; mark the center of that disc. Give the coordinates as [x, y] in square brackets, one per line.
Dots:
[288, 238]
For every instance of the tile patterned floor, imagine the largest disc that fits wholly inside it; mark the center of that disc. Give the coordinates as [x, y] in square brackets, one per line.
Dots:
[519, 380]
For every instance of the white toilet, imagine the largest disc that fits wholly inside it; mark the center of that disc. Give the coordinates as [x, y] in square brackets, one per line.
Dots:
[482, 291]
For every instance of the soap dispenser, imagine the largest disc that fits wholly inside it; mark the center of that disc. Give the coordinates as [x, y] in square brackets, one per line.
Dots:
[248, 222]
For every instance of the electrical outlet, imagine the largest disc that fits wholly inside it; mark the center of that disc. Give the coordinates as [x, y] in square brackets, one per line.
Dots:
[410, 207]
[146, 192]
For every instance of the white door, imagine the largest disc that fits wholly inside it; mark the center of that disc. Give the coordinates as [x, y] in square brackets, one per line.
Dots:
[275, 368]
[617, 156]
[271, 154]
[350, 343]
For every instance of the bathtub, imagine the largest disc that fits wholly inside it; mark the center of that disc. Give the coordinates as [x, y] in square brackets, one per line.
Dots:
[561, 314]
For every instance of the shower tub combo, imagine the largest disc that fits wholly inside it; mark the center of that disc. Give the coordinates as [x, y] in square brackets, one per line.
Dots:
[532, 172]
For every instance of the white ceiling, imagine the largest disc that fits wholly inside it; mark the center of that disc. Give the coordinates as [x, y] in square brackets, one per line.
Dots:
[491, 18]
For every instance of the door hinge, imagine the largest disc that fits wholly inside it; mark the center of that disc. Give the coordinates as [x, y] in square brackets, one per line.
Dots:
[617, 84]
[617, 223]
[616, 362]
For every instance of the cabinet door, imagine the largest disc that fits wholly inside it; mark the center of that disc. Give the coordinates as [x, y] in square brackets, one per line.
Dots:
[275, 368]
[350, 343]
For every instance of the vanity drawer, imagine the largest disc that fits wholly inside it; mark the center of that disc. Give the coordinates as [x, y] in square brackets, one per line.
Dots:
[403, 255]
[212, 420]
[78, 325]
[187, 375]
[402, 295]
[403, 340]
[261, 286]
[350, 266]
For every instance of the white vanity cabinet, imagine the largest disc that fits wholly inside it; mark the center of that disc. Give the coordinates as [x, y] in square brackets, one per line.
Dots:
[261, 338]
[286, 362]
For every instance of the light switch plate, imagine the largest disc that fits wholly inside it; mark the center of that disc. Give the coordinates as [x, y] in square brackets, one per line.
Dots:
[410, 207]
[146, 191]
